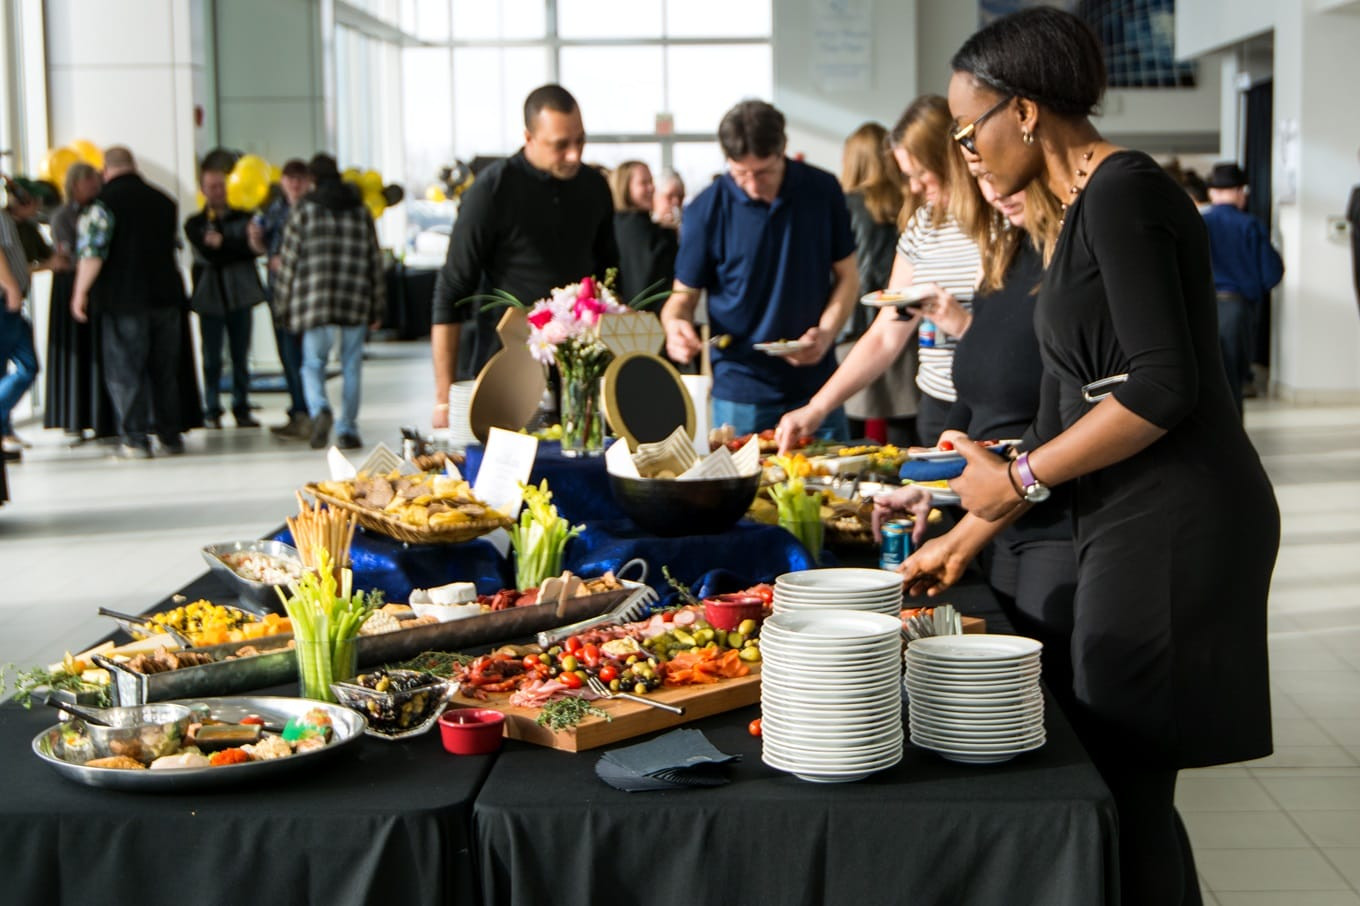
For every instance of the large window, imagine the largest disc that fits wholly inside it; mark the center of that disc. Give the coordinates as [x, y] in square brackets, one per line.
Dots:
[653, 77]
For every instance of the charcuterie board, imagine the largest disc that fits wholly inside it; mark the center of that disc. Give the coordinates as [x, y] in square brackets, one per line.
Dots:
[628, 719]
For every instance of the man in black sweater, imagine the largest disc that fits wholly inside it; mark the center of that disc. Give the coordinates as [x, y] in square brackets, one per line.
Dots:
[536, 220]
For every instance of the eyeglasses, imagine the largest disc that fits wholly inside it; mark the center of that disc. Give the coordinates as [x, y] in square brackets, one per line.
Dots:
[967, 135]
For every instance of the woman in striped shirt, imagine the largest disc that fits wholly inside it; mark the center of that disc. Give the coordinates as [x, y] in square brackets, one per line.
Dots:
[939, 245]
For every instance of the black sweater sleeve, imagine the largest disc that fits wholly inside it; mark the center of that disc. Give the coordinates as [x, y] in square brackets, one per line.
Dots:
[472, 242]
[1133, 232]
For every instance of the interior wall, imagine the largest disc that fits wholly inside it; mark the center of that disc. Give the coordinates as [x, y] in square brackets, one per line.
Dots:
[1156, 120]
[820, 119]
[269, 92]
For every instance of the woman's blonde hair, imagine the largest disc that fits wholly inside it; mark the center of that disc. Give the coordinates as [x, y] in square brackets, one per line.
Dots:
[1043, 219]
[867, 167]
[619, 179]
[74, 174]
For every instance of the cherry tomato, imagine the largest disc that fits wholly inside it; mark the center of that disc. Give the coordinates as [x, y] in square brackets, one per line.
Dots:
[754, 727]
[590, 654]
[253, 719]
[946, 445]
[609, 672]
[570, 680]
[573, 643]
[763, 591]
[668, 616]
[531, 662]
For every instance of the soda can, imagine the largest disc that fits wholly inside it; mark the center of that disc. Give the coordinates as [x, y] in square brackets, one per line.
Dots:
[927, 333]
[896, 543]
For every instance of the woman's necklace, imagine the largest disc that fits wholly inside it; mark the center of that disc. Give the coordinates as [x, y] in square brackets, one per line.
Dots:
[1075, 189]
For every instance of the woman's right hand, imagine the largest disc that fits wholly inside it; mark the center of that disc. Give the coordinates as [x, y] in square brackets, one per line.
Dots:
[934, 567]
[795, 425]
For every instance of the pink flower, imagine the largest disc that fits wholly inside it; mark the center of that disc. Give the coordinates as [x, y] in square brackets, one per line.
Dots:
[540, 316]
[589, 310]
[555, 332]
[587, 288]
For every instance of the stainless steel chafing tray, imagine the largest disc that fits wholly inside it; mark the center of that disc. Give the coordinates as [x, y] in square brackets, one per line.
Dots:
[276, 665]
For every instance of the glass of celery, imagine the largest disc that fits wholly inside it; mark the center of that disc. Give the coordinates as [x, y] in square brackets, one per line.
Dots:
[326, 614]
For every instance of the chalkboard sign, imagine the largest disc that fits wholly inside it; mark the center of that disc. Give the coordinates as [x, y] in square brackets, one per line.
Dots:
[645, 399]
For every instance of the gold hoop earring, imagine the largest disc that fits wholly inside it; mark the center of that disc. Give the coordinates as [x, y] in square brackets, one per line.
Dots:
[1027, 137]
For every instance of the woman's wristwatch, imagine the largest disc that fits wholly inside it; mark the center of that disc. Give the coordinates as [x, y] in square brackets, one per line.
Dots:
[1034, 490]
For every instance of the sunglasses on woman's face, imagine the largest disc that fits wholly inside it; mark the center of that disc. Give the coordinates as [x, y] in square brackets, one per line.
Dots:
[967, 135]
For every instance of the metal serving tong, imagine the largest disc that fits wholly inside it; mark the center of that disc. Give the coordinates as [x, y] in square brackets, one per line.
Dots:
[131, 624]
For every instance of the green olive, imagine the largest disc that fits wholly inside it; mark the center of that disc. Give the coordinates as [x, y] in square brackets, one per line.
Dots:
[747, 627]
[750, 653]
[735, 640]
[640, 689]
[570, 663]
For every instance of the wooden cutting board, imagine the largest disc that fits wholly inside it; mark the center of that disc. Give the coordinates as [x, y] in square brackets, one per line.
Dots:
[629, 719]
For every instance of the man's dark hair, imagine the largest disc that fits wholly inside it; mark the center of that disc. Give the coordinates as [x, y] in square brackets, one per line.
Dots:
[1046, 55]
[549, 97]
[218, 160]
[1195, 186]
[323, 167]
[752, 128]
[294, 167]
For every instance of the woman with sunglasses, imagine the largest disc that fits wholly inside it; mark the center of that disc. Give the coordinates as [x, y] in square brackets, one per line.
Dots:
[1176, 525]
[939, 245]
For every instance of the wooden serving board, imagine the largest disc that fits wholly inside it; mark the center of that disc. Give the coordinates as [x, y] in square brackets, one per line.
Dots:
[630, 719]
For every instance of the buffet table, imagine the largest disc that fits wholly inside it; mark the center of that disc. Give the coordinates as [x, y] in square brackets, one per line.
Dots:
[407, 823]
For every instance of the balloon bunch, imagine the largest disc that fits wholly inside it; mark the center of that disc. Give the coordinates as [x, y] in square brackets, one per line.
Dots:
[370, 186]
[454, 180]
[57, 161]
[248, 182]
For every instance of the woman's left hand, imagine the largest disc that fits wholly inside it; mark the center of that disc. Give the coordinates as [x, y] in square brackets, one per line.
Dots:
[985, 487]
[947, 312]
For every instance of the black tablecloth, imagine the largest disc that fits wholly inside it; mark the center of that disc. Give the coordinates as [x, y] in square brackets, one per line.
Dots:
[1039, 829]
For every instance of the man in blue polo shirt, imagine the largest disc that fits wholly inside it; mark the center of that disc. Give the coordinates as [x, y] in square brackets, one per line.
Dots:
[1246, 268]
[770, 241]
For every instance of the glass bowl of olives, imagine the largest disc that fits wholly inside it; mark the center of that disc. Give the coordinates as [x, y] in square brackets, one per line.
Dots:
[397, 703]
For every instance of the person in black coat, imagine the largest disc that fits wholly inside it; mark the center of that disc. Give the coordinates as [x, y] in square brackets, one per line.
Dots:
[1176, 525]
[646, 248]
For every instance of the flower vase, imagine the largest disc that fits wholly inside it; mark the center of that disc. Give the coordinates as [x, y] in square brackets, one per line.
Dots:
[582, 415]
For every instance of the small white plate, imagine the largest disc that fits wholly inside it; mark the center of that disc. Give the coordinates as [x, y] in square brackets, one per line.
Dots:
[840, 579]
[902, 297]
[781, 348]
[993, 649]
[935, 454]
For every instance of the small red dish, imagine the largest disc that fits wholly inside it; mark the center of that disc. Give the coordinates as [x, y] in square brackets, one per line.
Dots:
[726, 612]
[471, 731]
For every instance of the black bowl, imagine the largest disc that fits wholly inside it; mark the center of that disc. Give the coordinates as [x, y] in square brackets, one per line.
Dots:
[664, 506]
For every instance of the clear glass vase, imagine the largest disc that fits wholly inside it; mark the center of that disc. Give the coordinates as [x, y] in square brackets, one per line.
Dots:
[322, 662]
[581, 411]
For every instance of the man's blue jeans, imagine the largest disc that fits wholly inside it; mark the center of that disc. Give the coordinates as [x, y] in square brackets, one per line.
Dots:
[316, 349]
[16, 347]
[748, 418]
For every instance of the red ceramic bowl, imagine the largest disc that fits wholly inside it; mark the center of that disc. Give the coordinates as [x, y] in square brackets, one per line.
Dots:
[727, 611]
[471, 731]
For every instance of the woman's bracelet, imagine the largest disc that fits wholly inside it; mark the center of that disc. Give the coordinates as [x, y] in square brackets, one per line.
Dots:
[1010, 473]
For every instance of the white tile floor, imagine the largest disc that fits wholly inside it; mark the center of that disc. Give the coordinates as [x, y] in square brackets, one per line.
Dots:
[83, 531]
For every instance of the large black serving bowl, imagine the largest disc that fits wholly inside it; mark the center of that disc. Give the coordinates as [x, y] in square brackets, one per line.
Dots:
[664, 506]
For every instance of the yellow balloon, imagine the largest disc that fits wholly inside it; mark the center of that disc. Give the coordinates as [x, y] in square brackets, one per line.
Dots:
[253, 166]
[351, 175]
[88, 152]
[246, 192]
[200, 200]
[55, 164]
[435, 193]
[375, 205]
[370, 182]
[275, 174]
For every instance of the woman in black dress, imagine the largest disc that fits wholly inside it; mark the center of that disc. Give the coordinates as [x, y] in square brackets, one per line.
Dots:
[646, 249]
[76, 399]
[1176, 525]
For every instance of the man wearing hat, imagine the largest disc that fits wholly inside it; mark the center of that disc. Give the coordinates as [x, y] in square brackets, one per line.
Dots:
[1246, 268]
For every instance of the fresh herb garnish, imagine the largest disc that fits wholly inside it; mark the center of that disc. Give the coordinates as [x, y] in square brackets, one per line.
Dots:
[681, 588]
[565, 713]
[440, 663]
[26, 682]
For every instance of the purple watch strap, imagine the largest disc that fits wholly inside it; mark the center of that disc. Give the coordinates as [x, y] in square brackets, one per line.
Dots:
[1027, 479]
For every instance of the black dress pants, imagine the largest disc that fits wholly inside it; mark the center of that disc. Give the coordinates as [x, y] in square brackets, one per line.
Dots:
[141, 371]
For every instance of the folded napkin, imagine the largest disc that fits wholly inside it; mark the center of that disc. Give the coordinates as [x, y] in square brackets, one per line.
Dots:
[675, 760]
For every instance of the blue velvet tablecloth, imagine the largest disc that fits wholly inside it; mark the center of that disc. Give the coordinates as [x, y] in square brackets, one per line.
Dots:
[744, 554]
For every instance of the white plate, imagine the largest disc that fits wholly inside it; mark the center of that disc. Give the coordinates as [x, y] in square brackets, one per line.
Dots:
[825, 698]
[901, 297]
[803, 674]
[971, 686]
[966, 648]
[781, 348]
[989, 673]
[835, 627]
[851, 737]
[840, 579]
[948, 729]
[888, 753]
[956, 711]
[821, 596]
[935, 454]
[818, 776]
[934, 698]
[950, 745]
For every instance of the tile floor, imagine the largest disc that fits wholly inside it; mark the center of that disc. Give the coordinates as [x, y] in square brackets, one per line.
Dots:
[83, 530]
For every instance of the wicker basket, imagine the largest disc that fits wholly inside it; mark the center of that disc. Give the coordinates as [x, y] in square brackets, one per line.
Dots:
[384, 524]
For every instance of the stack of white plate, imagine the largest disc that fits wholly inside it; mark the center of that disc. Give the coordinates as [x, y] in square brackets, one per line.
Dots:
[876, 590]
[975, 698]
[830, 694]
[460, 428]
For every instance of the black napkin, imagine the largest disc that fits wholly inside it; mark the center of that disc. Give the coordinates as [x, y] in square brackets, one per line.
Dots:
[675, 760]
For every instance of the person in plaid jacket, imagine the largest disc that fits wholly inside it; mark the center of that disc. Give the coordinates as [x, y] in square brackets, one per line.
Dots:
[330, 283]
